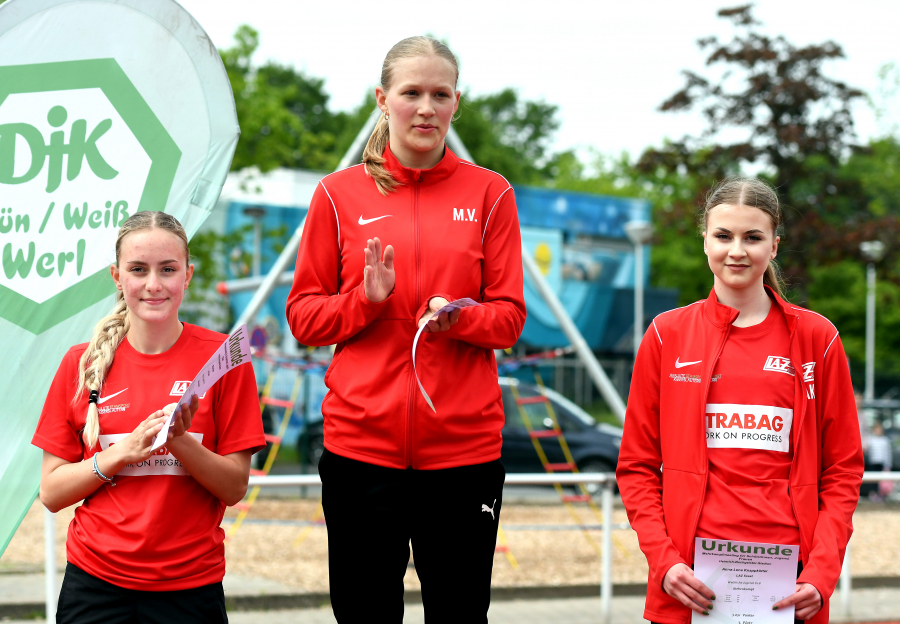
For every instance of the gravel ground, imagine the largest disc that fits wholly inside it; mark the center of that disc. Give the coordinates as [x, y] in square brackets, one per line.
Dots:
[544, 557]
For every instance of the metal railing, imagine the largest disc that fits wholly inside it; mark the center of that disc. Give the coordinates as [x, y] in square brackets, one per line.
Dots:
[606, 480]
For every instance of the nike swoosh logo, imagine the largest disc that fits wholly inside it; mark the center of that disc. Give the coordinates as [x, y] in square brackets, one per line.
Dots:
[364, 221]
[107, 398]
[683, 364]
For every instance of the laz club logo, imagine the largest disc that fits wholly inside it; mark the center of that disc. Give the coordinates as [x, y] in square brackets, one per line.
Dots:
[779, 365]
[180, 387]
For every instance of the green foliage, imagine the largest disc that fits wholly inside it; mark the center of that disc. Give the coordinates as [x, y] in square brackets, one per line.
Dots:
[202, 304]
[283, 114]
[509, 135]
[839, 293]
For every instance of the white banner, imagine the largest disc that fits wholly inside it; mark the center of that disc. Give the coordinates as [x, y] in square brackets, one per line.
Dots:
[107, 107]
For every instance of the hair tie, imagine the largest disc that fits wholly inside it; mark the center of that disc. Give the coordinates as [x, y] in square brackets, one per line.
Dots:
[94, 396]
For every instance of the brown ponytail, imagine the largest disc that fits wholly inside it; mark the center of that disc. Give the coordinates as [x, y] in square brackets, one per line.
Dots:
[373, 154]
[109, 332]
[754, 193]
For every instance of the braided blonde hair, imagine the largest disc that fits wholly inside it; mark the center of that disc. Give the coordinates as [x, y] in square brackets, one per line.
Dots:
[97, 359]
[373, 154]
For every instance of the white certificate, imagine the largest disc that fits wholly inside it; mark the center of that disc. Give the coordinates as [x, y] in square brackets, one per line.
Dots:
[233, 352]
[747, 578]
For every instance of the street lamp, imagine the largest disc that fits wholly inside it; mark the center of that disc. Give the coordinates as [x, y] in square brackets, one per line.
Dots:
[639, 232]
[256, 213]
[873, 251]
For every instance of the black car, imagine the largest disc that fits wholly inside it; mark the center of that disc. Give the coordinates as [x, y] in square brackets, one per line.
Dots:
[595, 448]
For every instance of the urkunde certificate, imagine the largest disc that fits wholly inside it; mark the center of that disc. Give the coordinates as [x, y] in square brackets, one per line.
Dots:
[747, 579]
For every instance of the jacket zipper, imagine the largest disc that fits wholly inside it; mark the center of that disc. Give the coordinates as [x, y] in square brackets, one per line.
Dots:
[412, 385]
[706, 455]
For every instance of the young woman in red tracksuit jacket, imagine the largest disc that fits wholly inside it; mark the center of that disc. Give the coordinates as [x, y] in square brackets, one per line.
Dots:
[394, 470]
[741, 422]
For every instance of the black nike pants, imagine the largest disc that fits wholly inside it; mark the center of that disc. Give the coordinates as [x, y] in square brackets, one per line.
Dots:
[373, 514]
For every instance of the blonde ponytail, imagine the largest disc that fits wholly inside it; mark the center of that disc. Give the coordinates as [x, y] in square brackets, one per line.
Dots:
[373, 155]
[773, 279]
[95, 363]
[111, 330]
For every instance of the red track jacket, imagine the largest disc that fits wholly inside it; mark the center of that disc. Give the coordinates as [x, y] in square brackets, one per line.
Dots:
[663, 463]
[455, 233]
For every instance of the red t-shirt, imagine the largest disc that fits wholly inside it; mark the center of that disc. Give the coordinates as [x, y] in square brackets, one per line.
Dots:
[157, 529]
[749, 417]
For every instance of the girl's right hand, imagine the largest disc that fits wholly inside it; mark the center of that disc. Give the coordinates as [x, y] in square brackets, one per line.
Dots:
[683, 586]
[135, 447]
[378, 276]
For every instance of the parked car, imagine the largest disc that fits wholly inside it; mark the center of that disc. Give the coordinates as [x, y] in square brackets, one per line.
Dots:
[594, 447]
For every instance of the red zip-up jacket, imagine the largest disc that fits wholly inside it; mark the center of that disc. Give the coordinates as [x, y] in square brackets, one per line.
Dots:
[663, 465]
[455, 233]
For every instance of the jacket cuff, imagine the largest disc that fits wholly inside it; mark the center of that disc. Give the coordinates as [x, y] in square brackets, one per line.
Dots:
[370, 309]
[808, 575]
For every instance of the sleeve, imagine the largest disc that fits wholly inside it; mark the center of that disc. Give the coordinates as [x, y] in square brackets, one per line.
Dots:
[841, 472]
[497, 324]
[639, 471]
[318, 314]
[56, 432]
[239, 425]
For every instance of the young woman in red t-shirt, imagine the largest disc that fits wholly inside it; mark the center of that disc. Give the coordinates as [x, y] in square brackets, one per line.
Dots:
[145, 545]
[740, 422]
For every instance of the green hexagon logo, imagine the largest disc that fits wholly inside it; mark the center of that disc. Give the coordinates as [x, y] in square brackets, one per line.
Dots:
[80, 151]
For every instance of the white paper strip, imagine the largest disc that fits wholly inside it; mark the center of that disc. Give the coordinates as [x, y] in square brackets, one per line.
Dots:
[453, 305]
[233, 352]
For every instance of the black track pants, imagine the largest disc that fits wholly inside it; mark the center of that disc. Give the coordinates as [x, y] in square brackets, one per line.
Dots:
[373, 513]
[86, 599]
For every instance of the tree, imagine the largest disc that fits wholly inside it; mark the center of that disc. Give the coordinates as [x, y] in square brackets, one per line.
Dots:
[796, 122]
[509, 135]
[283, 114]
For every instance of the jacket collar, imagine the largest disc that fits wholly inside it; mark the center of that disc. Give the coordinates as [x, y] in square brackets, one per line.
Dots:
[446, 167]
[722, 315]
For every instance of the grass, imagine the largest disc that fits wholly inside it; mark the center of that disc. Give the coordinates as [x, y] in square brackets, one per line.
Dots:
[601, 413]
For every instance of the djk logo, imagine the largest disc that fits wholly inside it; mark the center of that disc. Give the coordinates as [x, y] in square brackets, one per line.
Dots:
[80, 147]
[80, 152]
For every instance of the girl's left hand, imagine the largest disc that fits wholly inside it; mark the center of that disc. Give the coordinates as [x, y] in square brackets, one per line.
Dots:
[438, 322]
[806, 600]
[183, 417]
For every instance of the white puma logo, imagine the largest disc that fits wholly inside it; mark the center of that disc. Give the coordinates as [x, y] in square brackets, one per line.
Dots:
[489, 509]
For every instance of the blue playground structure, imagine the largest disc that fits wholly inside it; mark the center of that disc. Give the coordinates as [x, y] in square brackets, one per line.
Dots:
[577, 239]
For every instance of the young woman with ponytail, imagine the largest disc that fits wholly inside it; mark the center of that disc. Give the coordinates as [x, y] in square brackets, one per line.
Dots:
[741, 422]
[145, 545]
[394, 471]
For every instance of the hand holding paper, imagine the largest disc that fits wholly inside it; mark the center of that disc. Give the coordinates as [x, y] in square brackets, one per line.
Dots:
[437, 318]
[233, 352]
[451, 308]
[806, 600]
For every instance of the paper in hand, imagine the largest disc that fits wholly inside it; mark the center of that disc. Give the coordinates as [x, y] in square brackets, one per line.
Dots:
[453, 305]
[233, 352]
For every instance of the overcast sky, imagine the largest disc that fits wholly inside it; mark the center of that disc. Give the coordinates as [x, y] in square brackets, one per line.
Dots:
[607, 65]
